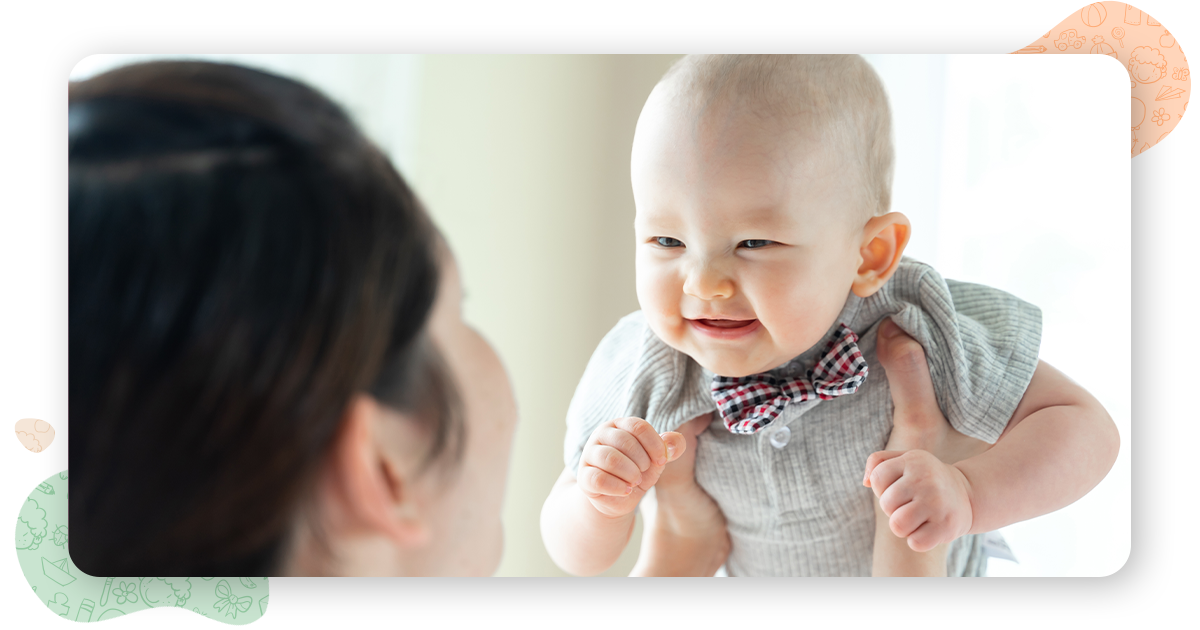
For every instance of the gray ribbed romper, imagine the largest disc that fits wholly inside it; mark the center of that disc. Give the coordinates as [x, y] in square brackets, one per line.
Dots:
[801, 510]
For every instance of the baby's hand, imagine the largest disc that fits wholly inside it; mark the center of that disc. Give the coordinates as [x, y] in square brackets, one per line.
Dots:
[623, 459]
[927, 502]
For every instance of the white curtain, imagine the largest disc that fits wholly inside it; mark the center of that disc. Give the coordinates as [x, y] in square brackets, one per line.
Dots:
[1015, 172]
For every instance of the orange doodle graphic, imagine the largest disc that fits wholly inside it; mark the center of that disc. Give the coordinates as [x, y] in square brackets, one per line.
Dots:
[1143, 12]
[1137, 110]
[35, 435]
[1152, 55]
[1100, 47]
[1166, 93]
[1068, 39]
[1146, 64]
[1093, 14]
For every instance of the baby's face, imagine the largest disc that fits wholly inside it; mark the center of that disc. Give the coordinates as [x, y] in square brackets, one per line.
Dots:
[746, 242]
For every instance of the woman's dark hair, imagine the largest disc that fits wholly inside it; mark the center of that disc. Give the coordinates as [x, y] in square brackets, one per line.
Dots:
[242, 262]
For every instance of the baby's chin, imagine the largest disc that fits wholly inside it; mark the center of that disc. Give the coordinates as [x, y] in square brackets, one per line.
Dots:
[735, 366]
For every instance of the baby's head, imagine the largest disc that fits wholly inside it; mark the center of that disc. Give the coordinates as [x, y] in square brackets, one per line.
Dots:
[762, 186]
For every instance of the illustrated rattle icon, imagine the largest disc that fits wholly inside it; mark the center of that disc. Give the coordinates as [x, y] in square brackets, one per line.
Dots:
[1119, 34]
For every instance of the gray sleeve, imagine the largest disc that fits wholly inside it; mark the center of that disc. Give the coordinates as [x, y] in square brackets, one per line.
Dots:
[603, 392]
[1001, 335]
[982, 348]
[633, 373]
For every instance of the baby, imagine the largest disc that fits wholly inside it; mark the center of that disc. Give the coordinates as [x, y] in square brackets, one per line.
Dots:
[767, 263]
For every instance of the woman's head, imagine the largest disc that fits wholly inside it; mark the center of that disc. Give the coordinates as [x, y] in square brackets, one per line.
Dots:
[247, 275]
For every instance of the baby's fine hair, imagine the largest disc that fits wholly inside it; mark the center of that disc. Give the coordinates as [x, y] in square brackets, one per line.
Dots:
[838, 97]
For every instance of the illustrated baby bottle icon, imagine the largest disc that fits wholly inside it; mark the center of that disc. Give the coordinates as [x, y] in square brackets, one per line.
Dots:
[86, 607]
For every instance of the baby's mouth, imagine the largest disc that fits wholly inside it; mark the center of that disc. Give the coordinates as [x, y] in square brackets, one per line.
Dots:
[726, 323]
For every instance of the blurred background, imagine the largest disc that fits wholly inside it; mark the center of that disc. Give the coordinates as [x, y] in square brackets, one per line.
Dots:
[1013, 169]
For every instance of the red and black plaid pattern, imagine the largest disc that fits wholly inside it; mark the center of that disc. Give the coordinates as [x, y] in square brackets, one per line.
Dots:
[750, 403]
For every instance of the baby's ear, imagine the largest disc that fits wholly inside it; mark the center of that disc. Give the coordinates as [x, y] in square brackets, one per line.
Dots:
[883, 241]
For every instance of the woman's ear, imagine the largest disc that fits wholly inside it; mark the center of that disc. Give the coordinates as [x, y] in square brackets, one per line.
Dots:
[371, 491]
[883, 243]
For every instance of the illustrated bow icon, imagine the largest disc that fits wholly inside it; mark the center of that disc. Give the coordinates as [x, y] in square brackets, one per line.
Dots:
[229, 603]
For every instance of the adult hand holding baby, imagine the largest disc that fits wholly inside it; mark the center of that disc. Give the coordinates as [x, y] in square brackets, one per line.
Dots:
[622, 460]
[684, 532]
[925, 497]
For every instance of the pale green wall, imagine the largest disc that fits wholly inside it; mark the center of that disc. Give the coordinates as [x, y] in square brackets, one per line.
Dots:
[524, 163]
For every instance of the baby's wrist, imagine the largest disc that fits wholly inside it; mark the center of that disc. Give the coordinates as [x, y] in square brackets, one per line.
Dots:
[964, 478]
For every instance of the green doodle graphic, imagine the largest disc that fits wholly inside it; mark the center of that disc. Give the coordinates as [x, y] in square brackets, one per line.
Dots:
[42, 537]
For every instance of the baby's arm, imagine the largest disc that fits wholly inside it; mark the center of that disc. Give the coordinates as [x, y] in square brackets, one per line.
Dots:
[1058, 445]
[589, 516]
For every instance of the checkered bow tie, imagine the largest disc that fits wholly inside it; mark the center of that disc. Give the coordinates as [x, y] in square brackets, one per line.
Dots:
[749, 404]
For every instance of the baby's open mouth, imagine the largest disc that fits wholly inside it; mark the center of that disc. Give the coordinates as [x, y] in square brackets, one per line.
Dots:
[726, 323]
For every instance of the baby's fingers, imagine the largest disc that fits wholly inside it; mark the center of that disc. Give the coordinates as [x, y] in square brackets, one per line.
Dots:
[873, 462]
[649, 439]
[596, 483]
[925, 537]
[613, 462]
[626, 443]
[907, 518]
[676, 445]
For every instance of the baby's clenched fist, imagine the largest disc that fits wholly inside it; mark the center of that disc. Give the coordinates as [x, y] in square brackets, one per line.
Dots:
[927, 501]
[623, 459]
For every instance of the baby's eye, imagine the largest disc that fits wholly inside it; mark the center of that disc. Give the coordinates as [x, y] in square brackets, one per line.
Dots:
[667, 241]
[755, 243]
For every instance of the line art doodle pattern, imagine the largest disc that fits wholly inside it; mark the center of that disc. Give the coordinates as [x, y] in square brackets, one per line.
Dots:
[1158, 71]
[42, 550]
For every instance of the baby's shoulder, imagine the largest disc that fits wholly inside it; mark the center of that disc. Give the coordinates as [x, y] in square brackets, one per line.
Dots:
[920, 286]
[981, 343]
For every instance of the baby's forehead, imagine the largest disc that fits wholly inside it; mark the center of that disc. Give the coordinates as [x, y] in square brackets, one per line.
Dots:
[833, 96]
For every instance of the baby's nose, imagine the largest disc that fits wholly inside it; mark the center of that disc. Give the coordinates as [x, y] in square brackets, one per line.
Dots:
[708, 281]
